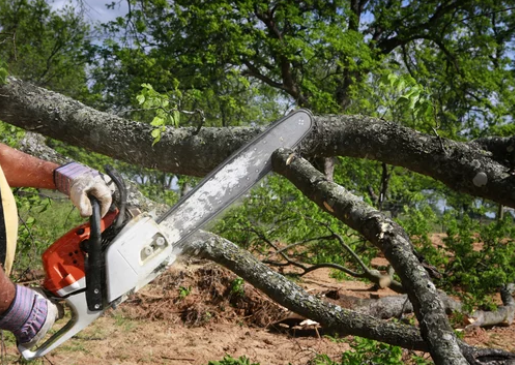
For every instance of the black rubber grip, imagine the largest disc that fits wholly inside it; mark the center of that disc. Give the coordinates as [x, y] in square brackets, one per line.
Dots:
[95, 261]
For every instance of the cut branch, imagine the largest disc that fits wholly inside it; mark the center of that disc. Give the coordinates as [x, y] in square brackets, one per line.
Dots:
[291, 296]
[332, 317]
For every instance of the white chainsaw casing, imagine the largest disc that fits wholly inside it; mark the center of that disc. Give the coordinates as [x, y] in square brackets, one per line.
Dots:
[139, 254]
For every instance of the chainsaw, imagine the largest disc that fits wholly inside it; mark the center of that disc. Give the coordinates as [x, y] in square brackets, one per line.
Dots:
[97, 265]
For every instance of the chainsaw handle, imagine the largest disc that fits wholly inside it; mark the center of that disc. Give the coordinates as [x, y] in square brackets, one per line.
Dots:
[94, 263]
[81, 318]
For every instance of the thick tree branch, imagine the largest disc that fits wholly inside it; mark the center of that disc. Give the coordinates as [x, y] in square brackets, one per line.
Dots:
[334, 318]
[391, 239]
[502, 148]
[463, 167]
[180, 150]
[391, 306]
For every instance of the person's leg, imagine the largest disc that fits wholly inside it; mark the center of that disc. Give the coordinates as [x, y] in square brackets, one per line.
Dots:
[27, 314]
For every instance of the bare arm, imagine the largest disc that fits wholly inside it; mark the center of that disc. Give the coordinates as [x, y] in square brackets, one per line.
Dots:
[22, 170]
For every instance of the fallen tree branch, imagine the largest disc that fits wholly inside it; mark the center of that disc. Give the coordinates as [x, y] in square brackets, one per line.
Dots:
[375, 276]
[393, 306]
[332, 317]
[290, 295]
[503, 315]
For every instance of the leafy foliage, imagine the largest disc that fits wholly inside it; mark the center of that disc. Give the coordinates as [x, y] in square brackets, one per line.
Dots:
[149, 99]
[476, 257]
[42, 221]
[369, 352]
[237, 287]
[326, 56]
[479, 270]
[43, 46]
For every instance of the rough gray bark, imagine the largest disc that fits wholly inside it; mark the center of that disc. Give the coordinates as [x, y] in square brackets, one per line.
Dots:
[54, 115]
[396, 306]
[34, 144]
[464, 167]
[502, 148]
[472, 168]
[390, 238]
[504, 314]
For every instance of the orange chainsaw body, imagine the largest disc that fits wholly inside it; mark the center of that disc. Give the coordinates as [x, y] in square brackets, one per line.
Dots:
[64, 260]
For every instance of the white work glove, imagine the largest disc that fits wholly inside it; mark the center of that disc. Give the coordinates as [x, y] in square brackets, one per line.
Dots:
[77, 181]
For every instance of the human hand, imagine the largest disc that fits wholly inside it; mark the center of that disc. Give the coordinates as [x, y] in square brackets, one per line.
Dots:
[77, 181]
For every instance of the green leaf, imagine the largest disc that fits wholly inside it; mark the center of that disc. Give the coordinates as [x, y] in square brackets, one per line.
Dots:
[156, 133]
[413, 100]
[157, 121]
[403, 99]
[176, 115]
[141, 99]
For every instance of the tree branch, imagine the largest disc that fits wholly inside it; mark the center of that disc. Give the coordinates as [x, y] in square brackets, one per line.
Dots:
[332, 317]
[463, 167]
[391, 239]
[291, 296]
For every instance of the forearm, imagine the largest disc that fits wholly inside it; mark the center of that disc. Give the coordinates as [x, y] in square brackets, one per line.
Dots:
[22, 170]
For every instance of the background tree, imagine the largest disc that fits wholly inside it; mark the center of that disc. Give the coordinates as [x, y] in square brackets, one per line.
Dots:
[45, 47]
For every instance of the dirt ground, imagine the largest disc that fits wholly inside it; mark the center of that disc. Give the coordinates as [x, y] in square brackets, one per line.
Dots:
[199, 313]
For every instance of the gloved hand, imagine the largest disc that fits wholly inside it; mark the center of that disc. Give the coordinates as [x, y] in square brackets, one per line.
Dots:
[77, 181]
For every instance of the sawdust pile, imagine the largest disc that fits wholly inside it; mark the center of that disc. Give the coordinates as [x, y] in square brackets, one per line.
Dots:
[207, 294]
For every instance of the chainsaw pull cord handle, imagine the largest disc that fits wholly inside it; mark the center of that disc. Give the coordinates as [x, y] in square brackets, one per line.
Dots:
[94, 263]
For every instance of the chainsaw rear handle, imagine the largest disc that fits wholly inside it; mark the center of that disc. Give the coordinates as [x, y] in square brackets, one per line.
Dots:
[81, 318]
